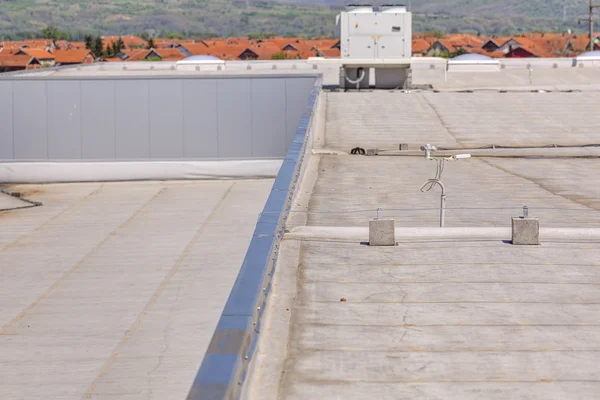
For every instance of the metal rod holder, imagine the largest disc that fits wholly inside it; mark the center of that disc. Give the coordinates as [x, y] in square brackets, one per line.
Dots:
[525, 212]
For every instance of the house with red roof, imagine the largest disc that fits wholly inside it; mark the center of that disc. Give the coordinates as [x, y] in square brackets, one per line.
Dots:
[18, 62]
[73, 56]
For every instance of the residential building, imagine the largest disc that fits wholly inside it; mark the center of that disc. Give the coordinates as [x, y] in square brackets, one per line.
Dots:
[73, 56]
[18, 62]
[45, 58]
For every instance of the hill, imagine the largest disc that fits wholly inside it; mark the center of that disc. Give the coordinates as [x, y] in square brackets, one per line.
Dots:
[25, 18]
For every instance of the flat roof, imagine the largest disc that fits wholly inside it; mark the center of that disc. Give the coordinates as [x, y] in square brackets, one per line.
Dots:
[438, 318]
[113, 290]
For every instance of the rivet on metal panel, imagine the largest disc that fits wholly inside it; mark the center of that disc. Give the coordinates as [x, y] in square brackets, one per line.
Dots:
[274, 66]
[294, 66]
[249, 67]
[197, 68]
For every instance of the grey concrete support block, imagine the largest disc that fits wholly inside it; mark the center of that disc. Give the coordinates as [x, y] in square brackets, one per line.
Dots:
[403, 146]
[525, 231]
[382, 232]
[372, 152]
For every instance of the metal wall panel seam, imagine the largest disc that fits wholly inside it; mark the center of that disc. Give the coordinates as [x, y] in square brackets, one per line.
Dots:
[285, 85]
[182, 120]
[81, 120]
[115, 116]
[46, 125]
[218, 126]
[12, 95]
[251, 117]
[149, 121]
[223, 369]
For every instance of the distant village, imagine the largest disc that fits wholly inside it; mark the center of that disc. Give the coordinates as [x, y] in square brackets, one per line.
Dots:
[45, 53]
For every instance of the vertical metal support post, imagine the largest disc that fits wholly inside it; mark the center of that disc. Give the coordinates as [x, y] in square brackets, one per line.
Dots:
[443, 210]
[525, 212]
[446, 73]
[379, 213]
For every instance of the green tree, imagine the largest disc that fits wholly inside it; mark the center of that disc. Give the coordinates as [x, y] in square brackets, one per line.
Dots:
[108, 52]
[117, 47]
[278, 56]
[51, 32]
[98, 47]
[173, 35]
[89, 42]
[151, 44]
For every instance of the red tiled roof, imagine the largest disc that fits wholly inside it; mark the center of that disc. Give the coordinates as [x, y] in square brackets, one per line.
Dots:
[136, 54]
[170, 54]
[14, 60]
[330, 53]
[71, 56]
[530, 46]
[37, 53]
[196, 49]
[420, 46]
[493, 54]
[129, 41]
[76, 45]
[162, 42]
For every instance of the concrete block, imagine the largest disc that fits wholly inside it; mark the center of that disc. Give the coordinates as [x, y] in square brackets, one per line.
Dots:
[525, 231]
[382, 232]
[403, 146]
[372, 152]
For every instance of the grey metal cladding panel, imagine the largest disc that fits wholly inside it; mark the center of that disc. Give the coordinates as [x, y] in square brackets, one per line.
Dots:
[297, 93]
[166, 118]
[6, 116]
[235, 118]
[268, 118]
[30, 120]
[200, 123]
[132, 120]
[98, 120]
[64, 120]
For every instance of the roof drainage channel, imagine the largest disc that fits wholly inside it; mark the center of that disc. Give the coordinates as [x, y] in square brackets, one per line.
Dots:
[225, 363]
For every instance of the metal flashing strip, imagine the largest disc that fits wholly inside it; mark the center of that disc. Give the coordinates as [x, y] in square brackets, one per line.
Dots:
[225, 363]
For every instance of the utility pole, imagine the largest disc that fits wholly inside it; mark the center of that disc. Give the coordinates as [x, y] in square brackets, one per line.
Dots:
[590, 21]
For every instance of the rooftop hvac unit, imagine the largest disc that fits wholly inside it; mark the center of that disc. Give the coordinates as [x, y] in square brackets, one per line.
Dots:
[369, 34]
[379, 39]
